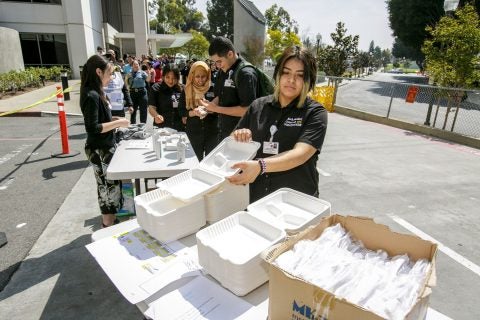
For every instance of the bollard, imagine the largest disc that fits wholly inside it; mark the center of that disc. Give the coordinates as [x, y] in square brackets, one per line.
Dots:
[63, 121]
[64, 77]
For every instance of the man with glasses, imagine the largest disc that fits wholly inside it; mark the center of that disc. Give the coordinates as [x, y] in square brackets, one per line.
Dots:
[231, 99]
[116, 91]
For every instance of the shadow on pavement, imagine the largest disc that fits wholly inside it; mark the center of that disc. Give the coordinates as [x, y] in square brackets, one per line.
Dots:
[48, 173]
[81, 290]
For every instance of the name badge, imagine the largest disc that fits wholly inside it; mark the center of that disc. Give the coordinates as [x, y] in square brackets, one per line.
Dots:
[229, 83]
[270, 147]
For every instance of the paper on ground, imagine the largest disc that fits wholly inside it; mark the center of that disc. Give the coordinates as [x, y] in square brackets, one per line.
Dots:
[139, 266]
[199, 299]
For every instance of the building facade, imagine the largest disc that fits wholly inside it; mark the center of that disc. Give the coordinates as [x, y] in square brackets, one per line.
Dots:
[67, 32]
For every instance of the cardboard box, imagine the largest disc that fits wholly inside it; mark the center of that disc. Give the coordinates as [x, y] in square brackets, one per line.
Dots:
[294, 298]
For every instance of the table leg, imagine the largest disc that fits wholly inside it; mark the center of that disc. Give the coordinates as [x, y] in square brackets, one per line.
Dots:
[137, 187]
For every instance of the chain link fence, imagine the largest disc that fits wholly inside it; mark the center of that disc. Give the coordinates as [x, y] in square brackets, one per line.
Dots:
[452, 109]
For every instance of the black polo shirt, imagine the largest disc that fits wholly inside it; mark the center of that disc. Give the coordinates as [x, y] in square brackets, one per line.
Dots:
[232, 94]
[162, 97]
[307, 124]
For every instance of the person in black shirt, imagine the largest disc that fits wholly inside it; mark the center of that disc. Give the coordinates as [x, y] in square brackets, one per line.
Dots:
[163, 100]
[291, 128]
[100, 126]
[231, 99]
[201, 126]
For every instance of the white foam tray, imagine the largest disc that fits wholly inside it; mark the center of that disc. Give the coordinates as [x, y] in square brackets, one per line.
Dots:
[290, 210]
[191, 184]
[230, 250]
[227, 153]
[166, 218]
[226, 200]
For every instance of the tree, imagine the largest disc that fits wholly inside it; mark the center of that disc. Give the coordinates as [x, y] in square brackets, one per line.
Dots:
[386, 57]
[278, 41]
[333, 59]
[371, 47]
[176, 15]
[452, 54]
[279, 19]
[220, 18]
[198, 46]
[408, 20]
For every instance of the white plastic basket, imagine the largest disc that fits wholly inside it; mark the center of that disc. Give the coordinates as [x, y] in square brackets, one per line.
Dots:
[230, 250]
[191, 184]
[166, 218]
[290, 210]
[226, 200]
[227, 153]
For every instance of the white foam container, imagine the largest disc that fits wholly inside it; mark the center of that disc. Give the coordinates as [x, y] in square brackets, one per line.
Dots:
[226, 200]
[290, 210]
[230, 250]
[226, 154]
[191, 184]
[166, 218]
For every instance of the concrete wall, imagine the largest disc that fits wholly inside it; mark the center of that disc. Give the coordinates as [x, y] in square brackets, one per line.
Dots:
[245, 27]
[140, 26]
[12, 58]
[32, 17]
[83, 27]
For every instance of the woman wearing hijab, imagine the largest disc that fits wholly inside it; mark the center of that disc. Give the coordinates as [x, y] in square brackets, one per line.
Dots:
[201, 126]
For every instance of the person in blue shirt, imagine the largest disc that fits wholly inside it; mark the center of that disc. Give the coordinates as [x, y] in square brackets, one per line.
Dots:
[137, 83]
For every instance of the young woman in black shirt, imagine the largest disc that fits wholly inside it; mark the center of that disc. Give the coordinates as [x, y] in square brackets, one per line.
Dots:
[100, 127]
[163, 100]
[201, 126]
[291, 128]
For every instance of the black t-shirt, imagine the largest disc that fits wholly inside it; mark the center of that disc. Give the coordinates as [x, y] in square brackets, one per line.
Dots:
[163, 98]
[95, 112]
[307, 124]
[232, 94]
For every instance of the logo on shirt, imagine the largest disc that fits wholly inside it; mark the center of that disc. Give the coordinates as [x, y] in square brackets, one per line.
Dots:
[293, 122]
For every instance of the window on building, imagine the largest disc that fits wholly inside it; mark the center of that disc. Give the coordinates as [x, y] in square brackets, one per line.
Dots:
[44, 49]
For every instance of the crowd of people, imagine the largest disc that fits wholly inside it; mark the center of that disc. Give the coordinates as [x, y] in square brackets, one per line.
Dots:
[209, 100]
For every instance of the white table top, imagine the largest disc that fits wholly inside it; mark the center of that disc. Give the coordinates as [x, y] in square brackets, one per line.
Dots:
[136, 163]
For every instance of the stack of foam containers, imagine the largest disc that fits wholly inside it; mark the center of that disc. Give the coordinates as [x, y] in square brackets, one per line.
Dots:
[230, 250]
[179, 207]
[167, 218]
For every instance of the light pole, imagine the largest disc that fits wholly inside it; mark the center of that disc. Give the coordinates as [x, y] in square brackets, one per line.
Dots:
[319, 39]
[450, 5]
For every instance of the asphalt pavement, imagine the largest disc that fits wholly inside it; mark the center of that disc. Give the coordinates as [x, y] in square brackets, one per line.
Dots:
[410, 182]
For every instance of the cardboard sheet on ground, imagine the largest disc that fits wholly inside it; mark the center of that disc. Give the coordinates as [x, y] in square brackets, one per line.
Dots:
[201, 298]
[139, 266]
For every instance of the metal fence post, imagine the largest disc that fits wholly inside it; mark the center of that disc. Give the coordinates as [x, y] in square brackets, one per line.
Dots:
[429, 110]
[391, 100]
[335, 92]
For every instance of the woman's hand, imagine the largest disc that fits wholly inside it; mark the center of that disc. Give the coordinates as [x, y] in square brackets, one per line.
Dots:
[210, 106]
[184, 120]
[122, 123]
[130, 109]
[249, 171]
[200, 112]
[242, 135]
[158, 119]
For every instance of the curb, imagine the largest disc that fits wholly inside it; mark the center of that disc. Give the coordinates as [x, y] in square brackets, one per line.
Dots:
[41, 114]
[55, 114]
[418, 128]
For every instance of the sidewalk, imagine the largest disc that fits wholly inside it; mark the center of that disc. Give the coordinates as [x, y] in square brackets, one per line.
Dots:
[365, 169]
[72, 106]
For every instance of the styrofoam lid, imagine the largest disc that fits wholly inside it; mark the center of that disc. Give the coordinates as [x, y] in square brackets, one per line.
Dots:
[289, 209]
[227, 153]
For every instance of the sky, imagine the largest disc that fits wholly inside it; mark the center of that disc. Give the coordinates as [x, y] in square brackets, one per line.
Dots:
[367, 18]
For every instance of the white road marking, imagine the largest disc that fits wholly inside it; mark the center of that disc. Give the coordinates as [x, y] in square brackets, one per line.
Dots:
[21, 225]
[446, 250]
[323, 173]
[7, 183]
[435, 315]
[14, 153]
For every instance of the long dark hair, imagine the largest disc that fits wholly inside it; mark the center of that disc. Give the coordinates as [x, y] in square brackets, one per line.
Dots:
[309, 73]
[90, 78]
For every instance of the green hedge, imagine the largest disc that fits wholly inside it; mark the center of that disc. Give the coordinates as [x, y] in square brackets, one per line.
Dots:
[30, 77]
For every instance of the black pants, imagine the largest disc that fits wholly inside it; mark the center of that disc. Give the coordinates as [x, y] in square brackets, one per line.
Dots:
[203, 134]
[140, 101]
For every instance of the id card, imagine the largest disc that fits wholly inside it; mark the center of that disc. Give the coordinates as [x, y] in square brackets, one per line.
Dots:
[229, 83]
[270, 147]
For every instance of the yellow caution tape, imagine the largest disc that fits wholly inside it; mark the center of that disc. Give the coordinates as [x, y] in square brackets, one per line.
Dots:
[38, 102]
